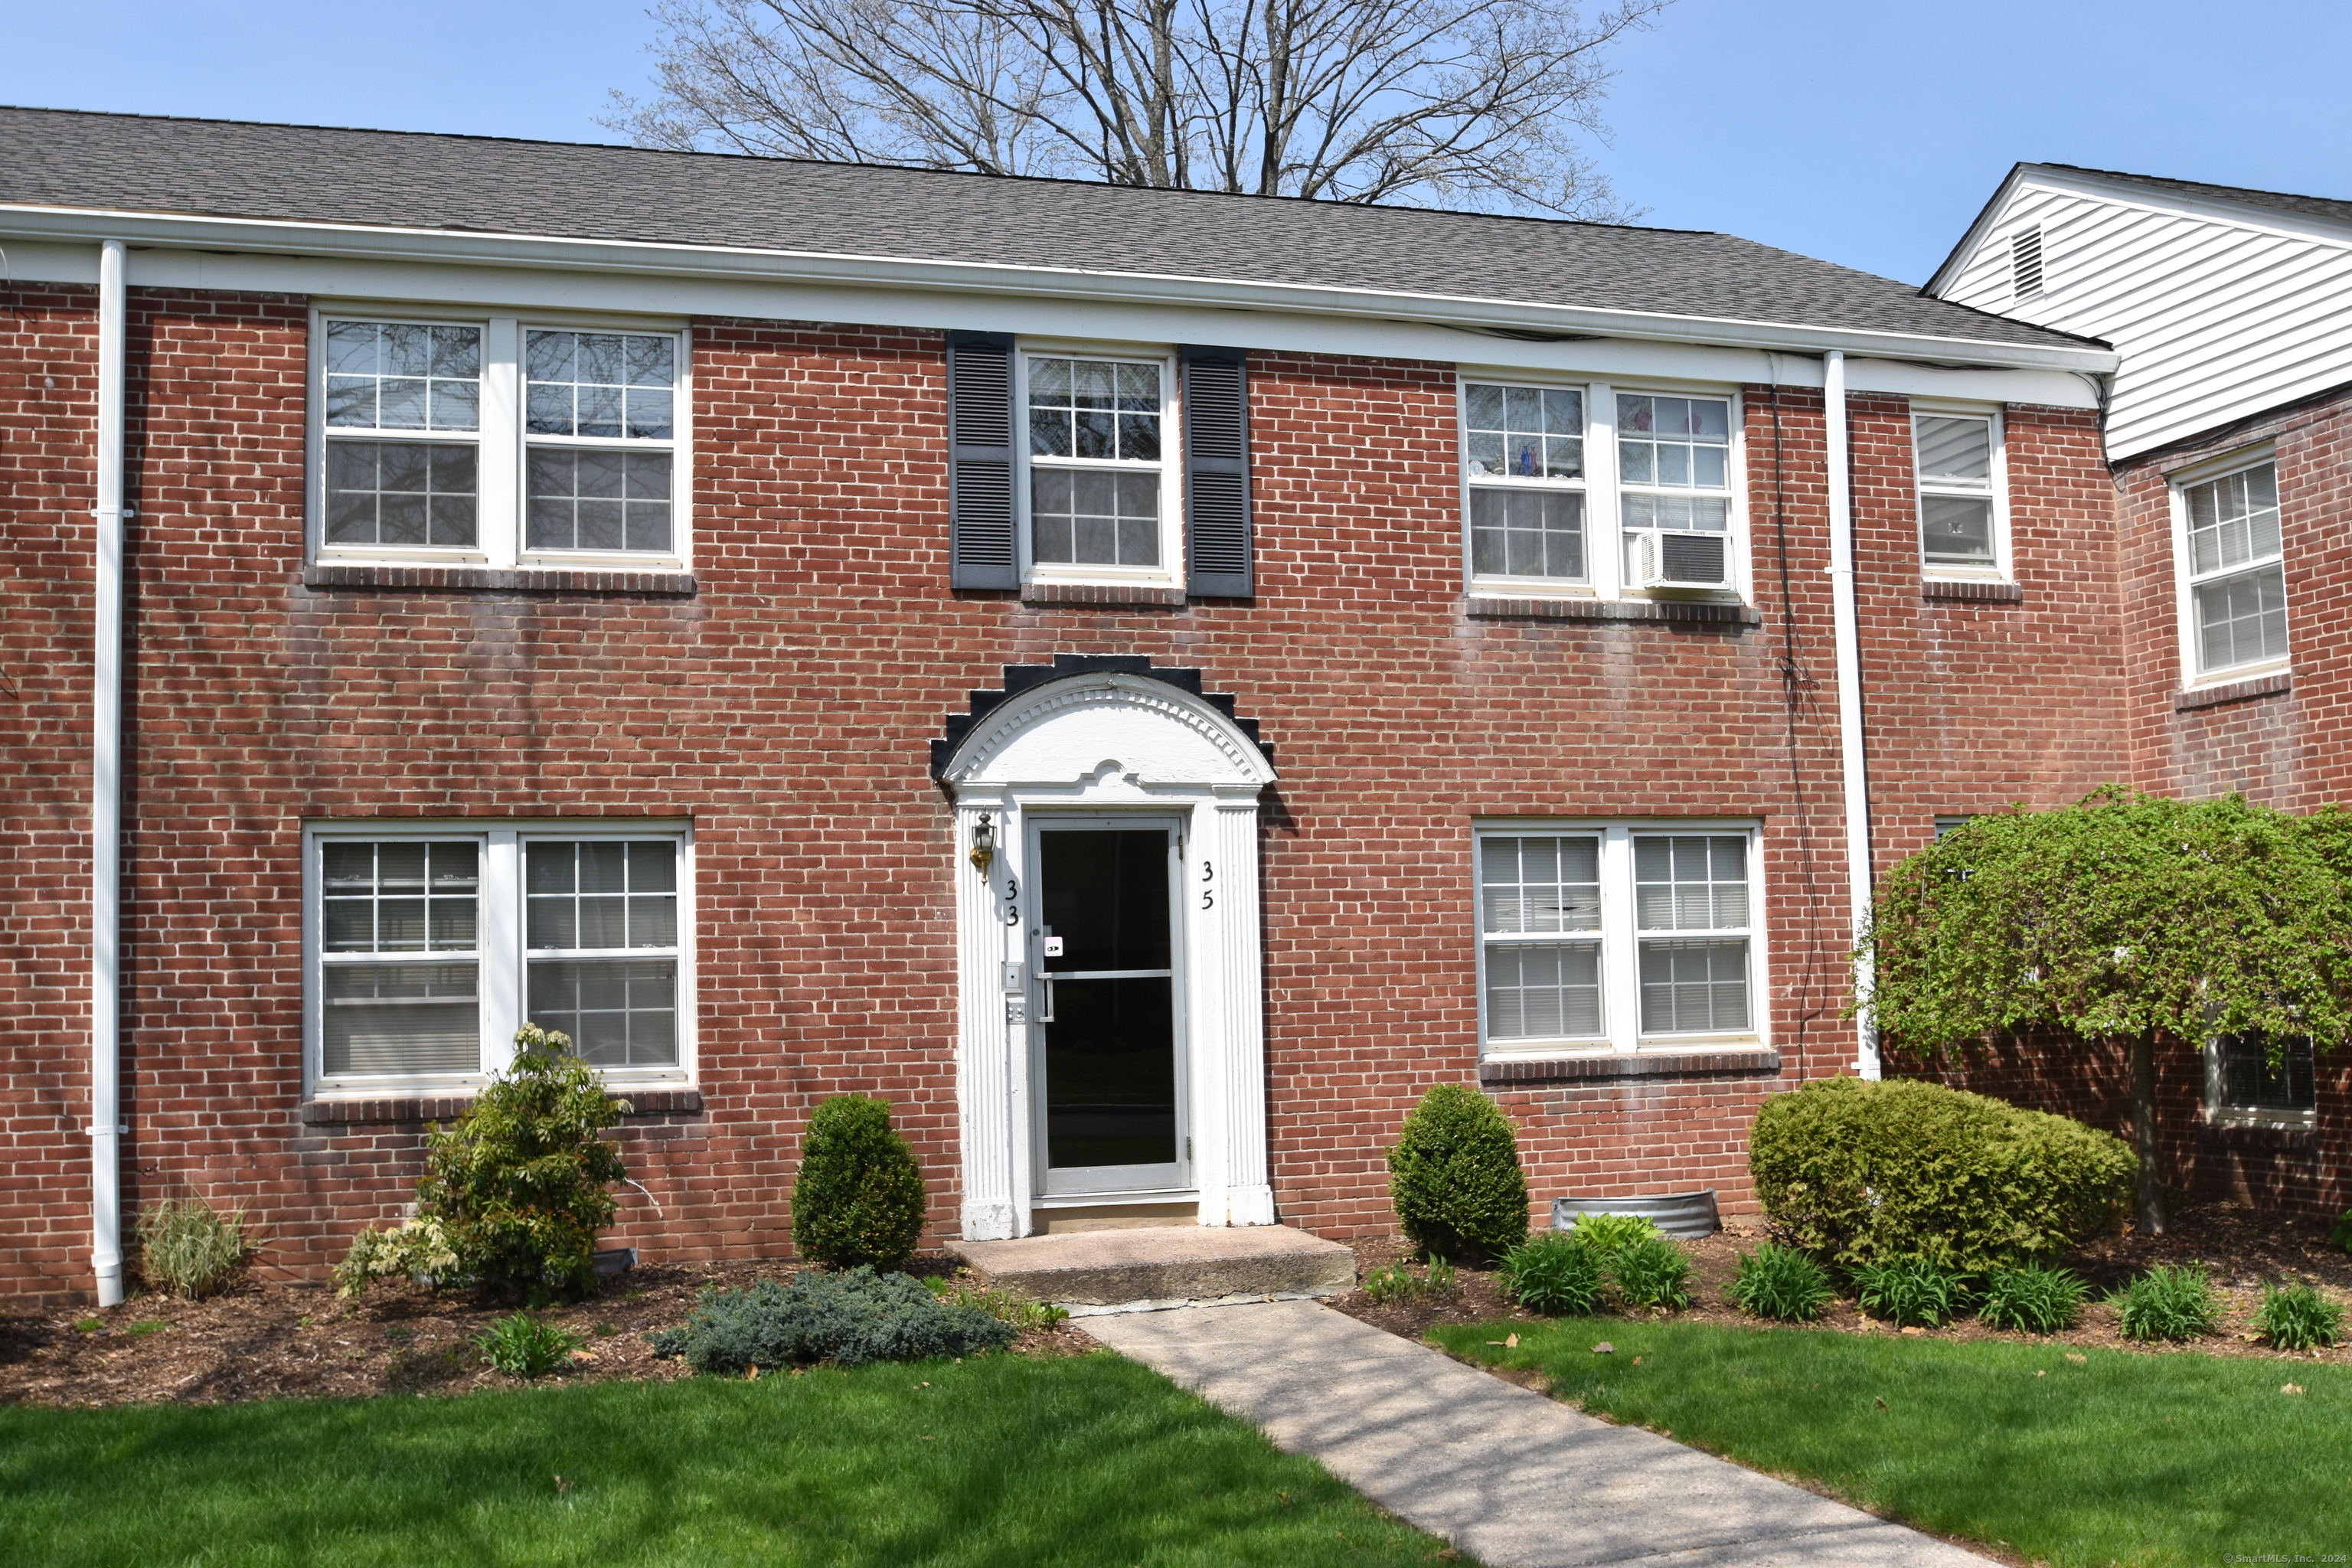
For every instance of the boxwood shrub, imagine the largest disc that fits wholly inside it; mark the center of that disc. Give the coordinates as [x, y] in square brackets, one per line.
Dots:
[1868, 1173]
[858, 1198]
[1455, 1176]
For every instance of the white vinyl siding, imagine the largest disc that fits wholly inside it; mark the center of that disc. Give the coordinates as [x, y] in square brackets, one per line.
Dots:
[1615, 936]
[2237, 581]
[2218, 312]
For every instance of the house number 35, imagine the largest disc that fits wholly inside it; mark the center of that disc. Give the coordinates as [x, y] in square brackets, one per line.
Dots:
[1208, 874]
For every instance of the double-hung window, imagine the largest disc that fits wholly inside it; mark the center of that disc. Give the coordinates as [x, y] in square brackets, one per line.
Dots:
[1616, 936]
[1954, 458]
[430, 946]
[1523, 459]
[2251, 1079]
[499, 442]
[2236, 579]
[1099, 497]
[1674, 475]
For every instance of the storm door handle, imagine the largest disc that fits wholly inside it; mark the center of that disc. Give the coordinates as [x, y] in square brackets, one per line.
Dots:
[1047, 1016]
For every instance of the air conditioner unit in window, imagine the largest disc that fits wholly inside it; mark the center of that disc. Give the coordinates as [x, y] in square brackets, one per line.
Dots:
[1681, 559]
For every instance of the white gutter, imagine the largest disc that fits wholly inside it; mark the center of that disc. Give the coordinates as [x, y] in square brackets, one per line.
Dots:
[745, 263]
[106, 797]
[1854, 768]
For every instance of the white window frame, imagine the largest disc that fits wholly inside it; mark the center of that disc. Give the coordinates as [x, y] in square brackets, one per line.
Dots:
[2220, 1113]
[1169, 573]
[1505, 584]
[1621, 938]
[1605, 530]
[500, 946]
[2001, 568]
[502, 444]
[2177, 484]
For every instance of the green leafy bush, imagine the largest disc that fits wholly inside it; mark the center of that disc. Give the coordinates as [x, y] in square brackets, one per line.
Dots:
[2032, 1299]
[2341, 1237]
[1554, 1274]
[1864, 1171]
[2298, 1318]
[187, 1248]
[522, 1346]
[1651, 1272]
[849, 1319]
[859, 1195]
[1607, 1233]
[1905, 1290]
[1781, 1283]
[1455, 1176]
[1002, 1305]
[2168, 1303]
[413, 1250]
[1391, 1282]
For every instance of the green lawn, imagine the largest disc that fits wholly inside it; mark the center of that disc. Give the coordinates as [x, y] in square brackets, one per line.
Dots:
[2137, 1459]
[1002, 1459]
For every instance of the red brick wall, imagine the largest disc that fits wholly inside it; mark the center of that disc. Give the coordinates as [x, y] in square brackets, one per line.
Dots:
[786, 708]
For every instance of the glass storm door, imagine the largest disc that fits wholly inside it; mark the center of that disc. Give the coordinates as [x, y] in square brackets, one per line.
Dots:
[1108, 1045]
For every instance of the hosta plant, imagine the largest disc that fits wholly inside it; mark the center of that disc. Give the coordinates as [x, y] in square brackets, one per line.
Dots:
[1783, 1283]
[2032, 1299]
[1553, 1274]
[2168, 1303]
[1909, 1291]
[2297, 1318]
[1651, 1272]
[1608, 1232]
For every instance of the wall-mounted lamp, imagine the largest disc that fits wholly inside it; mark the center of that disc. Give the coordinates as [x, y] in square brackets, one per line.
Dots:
[984, 844]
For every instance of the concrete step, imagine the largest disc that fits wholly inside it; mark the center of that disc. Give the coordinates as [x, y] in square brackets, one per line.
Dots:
[1095, 1271]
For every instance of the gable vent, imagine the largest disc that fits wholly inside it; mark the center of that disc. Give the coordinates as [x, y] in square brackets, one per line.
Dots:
[2025, 261]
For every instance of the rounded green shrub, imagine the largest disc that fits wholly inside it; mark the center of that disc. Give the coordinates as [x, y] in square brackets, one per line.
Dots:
[1781, 1283]
[1863, 1173]
[1905, 1291]
[1553, 1274]
[1650, 1272]
[859, 1195]
[2032, 1299]
[1455, 1176]
[2297, 1318]
[2168, 1303]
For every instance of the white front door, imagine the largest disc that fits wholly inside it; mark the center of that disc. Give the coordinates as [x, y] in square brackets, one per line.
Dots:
[1108, 1064]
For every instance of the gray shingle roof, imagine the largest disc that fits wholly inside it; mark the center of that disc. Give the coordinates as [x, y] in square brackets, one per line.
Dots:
[2277, 201]
[230, 169]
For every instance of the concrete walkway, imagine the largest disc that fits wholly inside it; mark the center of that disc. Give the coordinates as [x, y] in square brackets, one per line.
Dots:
[1514, 1479]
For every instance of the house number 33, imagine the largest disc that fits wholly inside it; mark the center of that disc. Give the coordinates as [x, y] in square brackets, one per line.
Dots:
[1208, 894]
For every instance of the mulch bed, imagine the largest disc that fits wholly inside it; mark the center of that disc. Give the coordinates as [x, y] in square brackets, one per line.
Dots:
[2243, 1248]
[263, 1340]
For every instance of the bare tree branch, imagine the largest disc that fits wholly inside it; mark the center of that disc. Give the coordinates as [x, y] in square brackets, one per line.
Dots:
[1476, 104]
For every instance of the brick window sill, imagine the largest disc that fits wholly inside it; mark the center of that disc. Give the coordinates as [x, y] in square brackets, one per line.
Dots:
[1978, 590]
[448, 1107]
[331, 576]
[1108, 593]
[1485, 606]
[1509, 1070]
[2235, 692]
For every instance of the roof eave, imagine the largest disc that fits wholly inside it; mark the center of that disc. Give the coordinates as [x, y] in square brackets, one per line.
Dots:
[473, 248]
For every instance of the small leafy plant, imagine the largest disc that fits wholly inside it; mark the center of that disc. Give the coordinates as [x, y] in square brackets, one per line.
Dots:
[1391, 1282]
[1455, 1176]
[187, 1248]
[858, 1199]
[1440, 1280]
[522, 1346]
[1610, 1233]
[1002, 1305]
[848, 1319]
[2168, 1303]
[1651, 1272]
[2341, 1237]
[1781, 1283]
[2298, 1318]
[1908, 1290]
[413, 1250]
[1553, 1274]
[2032, 1299]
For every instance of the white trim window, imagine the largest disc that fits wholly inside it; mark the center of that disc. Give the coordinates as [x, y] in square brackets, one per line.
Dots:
[1523, 467]
[1616, 936]
[1674, 477]
[2243, 1084]
[427, 946]
[2235, 609]
[1956, 459]
[498, 441]
[1098, 499]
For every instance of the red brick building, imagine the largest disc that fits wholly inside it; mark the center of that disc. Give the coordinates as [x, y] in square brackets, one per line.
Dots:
[1146, 681]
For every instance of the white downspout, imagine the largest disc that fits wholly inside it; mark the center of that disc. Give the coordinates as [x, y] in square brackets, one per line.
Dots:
[106, 797]
[1853, 766]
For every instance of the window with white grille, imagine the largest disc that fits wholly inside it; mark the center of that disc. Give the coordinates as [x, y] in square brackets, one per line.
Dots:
[428, 949]
[2237, 581]
[1099, 497]
[2251, 1079]
[1614, 936]
[1674, 476]
[1954, 458]
[1523, 459]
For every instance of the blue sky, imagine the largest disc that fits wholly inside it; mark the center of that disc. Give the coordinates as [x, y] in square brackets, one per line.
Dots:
[1865, 132]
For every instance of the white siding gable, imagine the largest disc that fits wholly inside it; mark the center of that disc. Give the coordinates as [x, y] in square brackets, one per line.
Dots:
[2218, 311]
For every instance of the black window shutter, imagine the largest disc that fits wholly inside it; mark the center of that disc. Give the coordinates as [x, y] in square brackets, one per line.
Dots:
[981, 552]
[1219, 561]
